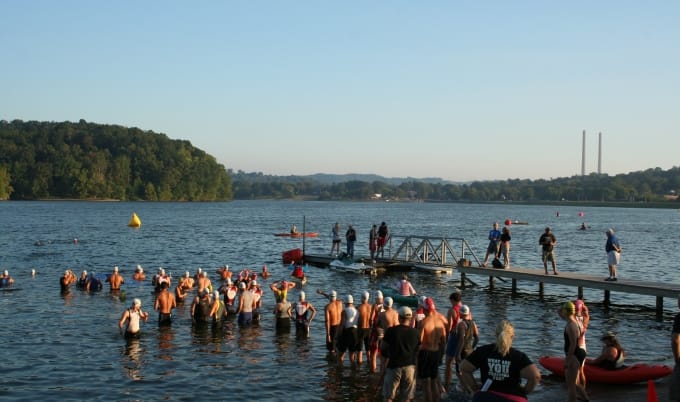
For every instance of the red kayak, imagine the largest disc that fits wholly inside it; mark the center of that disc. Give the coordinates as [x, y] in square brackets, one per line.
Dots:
[627, 374]
[301, 234]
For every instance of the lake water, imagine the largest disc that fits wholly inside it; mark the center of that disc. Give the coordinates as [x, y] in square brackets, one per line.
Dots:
[68, 347]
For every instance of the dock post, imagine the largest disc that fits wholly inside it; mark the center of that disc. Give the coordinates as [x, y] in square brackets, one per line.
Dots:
[580, 293]
[606, 298]
[659, 306]
[540, 290]
[491, 283]
[462, 280]
[514, 287]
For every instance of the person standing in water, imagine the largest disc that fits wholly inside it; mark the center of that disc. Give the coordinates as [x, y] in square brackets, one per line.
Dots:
[132, 317]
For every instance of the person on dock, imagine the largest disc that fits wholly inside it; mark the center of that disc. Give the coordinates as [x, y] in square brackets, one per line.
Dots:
[494, 243]
[67, 280]
[674, 388]
[574, 355]
[502, 369]
[504, 248]
[613, 249]
[432, 346]
[548, 242]
[131, 320]
[335, 234]
[400, 349]
[383, 235]
[612, 355]
[332, 318]
[138, 275]
[373, 242]
[115, 279]
[165, 302]
[351, 238]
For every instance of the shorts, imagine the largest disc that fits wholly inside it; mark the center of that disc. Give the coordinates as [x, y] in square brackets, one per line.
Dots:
[400, 383]
[452, 345]
[349, 340]
[245, 318]
[164, 319]
[548, 256]
[382, 241]
[283, 323]
[372, 245]
[330, 346]
[428, 363]
[613, 258]
[493, 248]
[336, 241]
[365, 337]
[674, 388]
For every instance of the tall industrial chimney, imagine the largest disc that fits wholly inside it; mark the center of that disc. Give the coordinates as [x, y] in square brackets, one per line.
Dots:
[599, 154]
[583, 154]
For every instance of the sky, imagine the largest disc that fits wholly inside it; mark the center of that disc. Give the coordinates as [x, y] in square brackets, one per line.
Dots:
[460, 90]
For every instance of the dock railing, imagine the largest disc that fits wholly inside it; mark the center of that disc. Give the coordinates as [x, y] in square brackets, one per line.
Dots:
[448, 251]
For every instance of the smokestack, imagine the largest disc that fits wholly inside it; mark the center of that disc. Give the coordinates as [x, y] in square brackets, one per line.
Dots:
[583, 154]
[599, 154]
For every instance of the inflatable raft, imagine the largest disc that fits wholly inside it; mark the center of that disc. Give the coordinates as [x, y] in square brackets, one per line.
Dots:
[411, 301]
[629, 374]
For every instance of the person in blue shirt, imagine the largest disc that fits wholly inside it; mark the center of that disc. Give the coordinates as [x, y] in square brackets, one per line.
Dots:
[494, 243]
[613, 250]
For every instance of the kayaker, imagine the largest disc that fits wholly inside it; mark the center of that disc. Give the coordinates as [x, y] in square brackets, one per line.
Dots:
[612, 355]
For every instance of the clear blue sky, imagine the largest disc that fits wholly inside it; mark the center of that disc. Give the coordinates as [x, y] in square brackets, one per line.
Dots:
[460, 90]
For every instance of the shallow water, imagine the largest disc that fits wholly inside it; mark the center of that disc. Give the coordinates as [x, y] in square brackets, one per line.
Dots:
[68, 347]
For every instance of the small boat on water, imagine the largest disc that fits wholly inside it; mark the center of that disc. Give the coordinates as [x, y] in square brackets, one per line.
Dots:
[629, 374]
[296, 235]
[135, 222]
[347, 265]
[433, 269]
[411, 301]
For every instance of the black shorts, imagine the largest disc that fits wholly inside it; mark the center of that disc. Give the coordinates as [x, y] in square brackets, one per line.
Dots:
[349, 340]
[428, 363]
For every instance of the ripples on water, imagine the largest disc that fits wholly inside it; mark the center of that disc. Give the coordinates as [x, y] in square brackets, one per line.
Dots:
[58, 348]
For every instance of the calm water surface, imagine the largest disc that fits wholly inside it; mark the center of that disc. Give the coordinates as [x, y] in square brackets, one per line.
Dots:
[68, 347]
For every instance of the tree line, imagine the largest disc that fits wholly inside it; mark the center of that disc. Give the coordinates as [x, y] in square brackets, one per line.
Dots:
[650, 186]
[65, 160]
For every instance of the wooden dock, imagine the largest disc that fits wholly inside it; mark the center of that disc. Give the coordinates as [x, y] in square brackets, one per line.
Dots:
[403, 253]
[580, 281]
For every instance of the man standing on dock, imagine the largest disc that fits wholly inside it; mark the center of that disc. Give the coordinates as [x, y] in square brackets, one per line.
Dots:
[383, 234]
[613, 250]
[547, 242]
[494, 243]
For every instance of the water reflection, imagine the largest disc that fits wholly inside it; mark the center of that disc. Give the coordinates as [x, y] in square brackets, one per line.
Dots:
[134, 364]
[166, 346]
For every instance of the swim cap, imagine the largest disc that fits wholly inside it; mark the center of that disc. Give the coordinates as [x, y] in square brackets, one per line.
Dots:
[365, 296]
[334, 295]
[349, 299]
[429, 304]
[216, 294]
[302, 295]
[242, 285]
[136, 302]
[115, 269]
[186, 273]
[578, 305]
[405, 312]
[569, 308]
[464, 310]
[388, 302]
[379, 295]
[254, 283]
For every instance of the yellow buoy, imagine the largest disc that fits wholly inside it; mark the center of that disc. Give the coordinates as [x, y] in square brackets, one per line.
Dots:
[135, 222]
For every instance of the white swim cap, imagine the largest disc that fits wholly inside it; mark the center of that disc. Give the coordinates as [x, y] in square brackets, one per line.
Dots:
[136, 302]
[115, 269]
[302, 295]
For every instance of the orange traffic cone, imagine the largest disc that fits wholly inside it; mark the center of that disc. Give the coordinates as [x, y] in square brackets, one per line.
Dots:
[651, 392]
